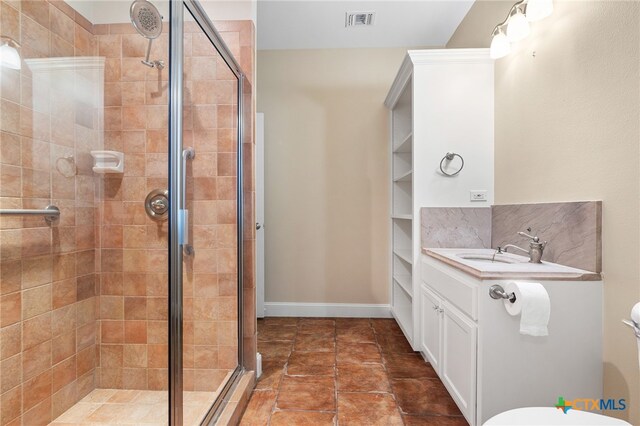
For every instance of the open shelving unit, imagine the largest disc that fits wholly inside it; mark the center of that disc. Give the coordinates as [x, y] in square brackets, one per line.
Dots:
[402, 211]
[441, 100]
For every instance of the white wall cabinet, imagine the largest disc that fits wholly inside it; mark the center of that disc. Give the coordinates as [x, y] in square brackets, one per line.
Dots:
[487, 366]
[440, 101]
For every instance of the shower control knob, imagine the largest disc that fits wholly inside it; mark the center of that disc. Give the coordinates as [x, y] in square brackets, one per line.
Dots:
[157, 205]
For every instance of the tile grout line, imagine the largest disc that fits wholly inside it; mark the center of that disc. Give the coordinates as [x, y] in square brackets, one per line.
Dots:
[284, 373]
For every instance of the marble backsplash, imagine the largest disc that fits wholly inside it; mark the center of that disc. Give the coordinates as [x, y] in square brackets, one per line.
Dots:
[456, 227]
[573, 229]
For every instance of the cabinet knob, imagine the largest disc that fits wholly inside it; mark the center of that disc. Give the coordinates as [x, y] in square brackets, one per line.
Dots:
[435, 307]
[440, 310]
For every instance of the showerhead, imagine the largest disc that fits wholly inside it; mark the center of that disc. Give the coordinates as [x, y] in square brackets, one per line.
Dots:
[148, 22]
[146, 19]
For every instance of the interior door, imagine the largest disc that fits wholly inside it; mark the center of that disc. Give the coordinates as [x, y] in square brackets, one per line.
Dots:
[260, 232]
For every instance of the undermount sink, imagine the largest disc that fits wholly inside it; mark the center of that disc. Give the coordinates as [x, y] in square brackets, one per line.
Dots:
[489, 258]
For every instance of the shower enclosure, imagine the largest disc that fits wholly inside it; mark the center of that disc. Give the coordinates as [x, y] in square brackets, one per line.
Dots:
[126, 213]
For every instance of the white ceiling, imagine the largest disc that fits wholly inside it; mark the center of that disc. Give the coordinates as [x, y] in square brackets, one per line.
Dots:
[309, 24]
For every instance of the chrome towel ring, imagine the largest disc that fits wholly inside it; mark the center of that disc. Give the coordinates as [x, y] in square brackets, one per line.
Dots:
[448, 157]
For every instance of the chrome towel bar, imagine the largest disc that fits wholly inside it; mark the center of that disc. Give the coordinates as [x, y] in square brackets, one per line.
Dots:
[50, 213]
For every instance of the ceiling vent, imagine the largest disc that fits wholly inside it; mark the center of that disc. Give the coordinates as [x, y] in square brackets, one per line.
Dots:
[358, 19]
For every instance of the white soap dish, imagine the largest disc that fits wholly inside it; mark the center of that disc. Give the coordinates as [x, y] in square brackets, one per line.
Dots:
[108, 161]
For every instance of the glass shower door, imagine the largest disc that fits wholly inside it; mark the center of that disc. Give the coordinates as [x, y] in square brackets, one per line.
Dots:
[204, 214]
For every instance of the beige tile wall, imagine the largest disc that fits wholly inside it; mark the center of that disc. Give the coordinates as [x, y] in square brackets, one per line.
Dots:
[47, 273]
[133, 297]
[83, 303]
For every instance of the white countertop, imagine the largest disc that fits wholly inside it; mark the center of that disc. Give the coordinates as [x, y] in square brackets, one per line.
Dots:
[518, 266]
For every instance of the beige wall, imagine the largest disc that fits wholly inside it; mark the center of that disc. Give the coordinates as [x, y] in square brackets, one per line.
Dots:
[567, 128]
[326, 166]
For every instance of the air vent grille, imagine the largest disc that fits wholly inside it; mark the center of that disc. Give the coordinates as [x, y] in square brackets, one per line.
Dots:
[357, 19]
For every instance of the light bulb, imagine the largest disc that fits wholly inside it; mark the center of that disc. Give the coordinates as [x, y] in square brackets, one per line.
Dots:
[500, 46]
[9, 57]
[518, 27]
[538, 9]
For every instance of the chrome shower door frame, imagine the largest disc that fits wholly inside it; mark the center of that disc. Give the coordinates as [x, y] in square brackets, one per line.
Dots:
[176, 189]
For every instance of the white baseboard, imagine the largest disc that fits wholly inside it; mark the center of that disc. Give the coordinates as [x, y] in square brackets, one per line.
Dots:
[344, 310]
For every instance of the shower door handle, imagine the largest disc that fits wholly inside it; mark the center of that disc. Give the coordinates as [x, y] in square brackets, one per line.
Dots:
[187, 154]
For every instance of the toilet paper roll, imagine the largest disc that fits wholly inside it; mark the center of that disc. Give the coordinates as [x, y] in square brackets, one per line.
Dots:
[532, 304]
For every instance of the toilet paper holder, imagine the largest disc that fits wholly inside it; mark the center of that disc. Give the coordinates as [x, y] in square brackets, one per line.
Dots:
[497, 292]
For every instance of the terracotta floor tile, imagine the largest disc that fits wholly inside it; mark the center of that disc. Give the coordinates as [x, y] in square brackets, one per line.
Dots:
[315, 343]
[277, 333]
[278, 321]
[363, 334]
[393, 343]
[328, 332]
[410, 366]
[259, 408]
[318, 322]
[302, 418]
[385, 326]
[423, 397]
[307, 393]
[311, 364]
[368, 409]
[380, 380]
[319, 327]
[362, 378]
[272, 372]
[435, 421]
[345, 323]
[275, 351]
[358, 353]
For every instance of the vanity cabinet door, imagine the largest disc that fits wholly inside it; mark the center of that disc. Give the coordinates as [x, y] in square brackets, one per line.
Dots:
[431, 326]
[459, 353]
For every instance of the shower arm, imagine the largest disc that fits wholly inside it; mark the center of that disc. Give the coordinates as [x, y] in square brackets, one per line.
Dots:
[152, 64]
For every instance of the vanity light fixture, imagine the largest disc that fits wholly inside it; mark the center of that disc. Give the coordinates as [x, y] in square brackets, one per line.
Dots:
[539, 9]
[9, 56]
[516, 25]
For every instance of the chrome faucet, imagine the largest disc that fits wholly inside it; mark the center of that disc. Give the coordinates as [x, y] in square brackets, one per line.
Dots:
[536, 248]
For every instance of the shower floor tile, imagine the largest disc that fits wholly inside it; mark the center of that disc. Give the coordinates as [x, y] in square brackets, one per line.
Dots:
[129, 407]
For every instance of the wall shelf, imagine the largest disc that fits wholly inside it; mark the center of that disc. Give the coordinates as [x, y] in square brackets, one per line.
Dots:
[404, 281]
[405, 144]
[404, 254]
[406, 177]
[402, 217]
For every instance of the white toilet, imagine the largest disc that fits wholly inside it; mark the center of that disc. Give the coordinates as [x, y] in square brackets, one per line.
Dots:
[551, 416]
[540, 416]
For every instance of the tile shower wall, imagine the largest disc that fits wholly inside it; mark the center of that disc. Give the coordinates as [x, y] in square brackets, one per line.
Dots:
[133, 298]
[50, 118]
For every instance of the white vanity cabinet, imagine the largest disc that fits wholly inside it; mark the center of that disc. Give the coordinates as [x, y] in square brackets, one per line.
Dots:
[449, 339]
[487, 366]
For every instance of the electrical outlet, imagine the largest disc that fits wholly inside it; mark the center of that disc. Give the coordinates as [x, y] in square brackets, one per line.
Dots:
[478, 195]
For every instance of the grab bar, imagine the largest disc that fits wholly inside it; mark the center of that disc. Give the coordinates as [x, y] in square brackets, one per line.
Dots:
[50, 213]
